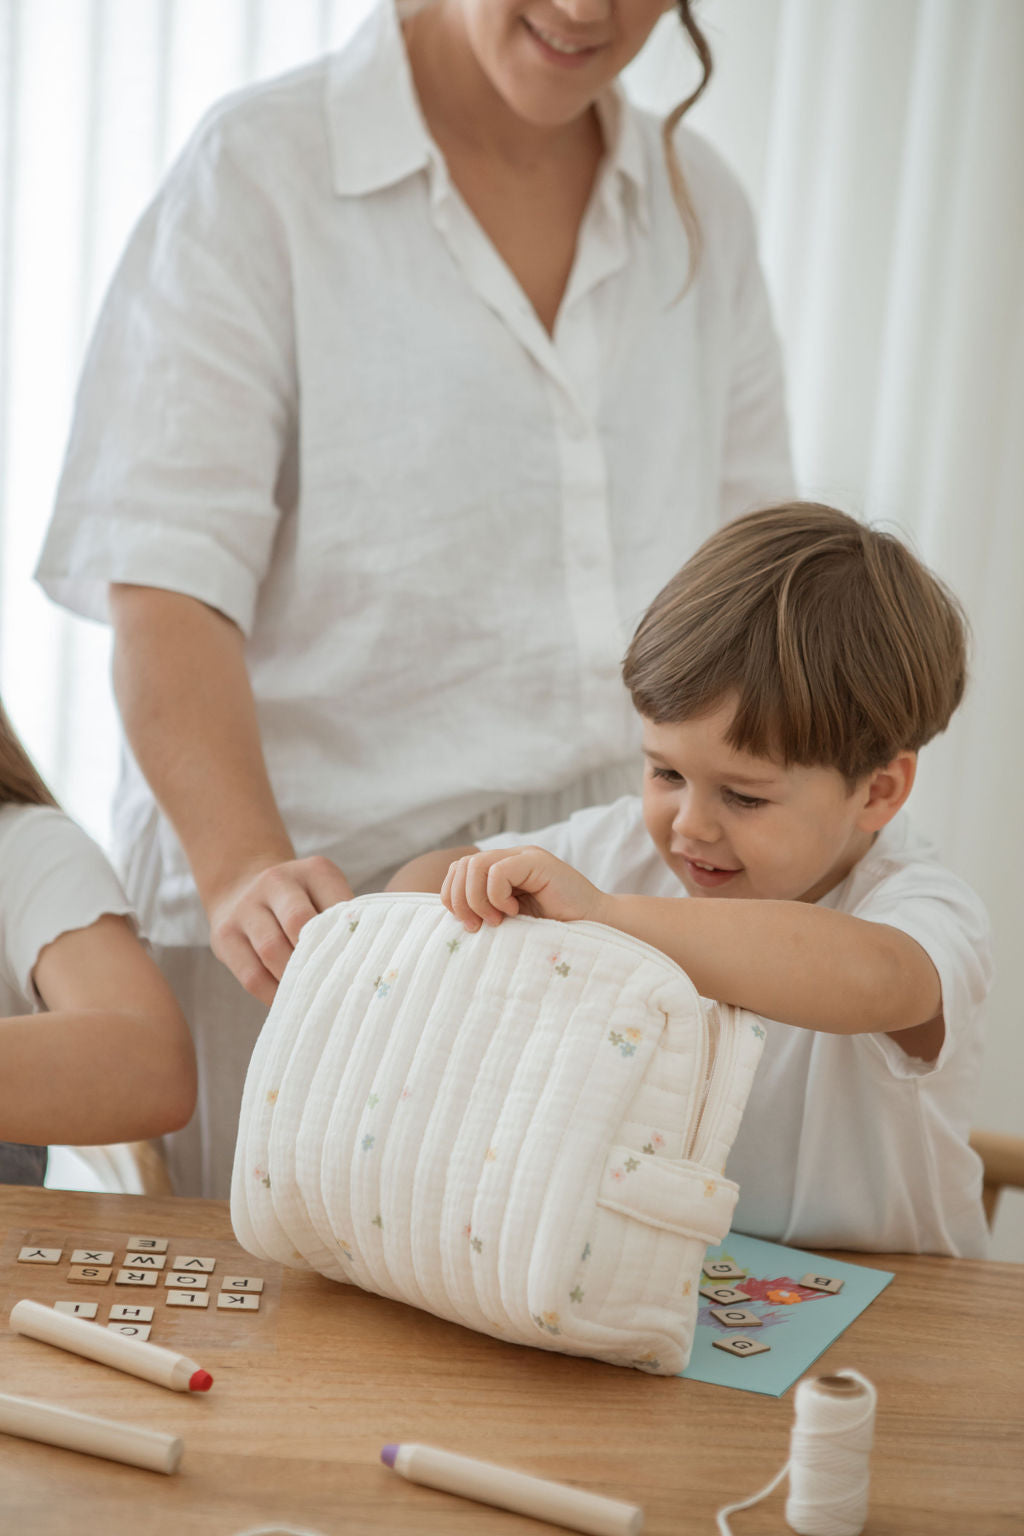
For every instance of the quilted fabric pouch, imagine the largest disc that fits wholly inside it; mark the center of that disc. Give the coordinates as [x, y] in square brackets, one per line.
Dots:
[522, 1129]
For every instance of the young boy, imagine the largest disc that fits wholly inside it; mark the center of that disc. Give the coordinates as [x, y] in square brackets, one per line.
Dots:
[786, 679]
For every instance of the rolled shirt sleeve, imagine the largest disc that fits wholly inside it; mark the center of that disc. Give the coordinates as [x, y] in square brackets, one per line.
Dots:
[186, 408]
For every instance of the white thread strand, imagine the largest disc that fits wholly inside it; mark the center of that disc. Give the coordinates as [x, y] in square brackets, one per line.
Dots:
[828, 1466]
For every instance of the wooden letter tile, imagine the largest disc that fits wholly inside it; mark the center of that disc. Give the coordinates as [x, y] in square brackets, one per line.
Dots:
[145, 1260]
[127, 1314]
[724, 1269]
[187, 1298]
[86, 1309]
[146, 1245]
[40, 1255]
[131, 1330]
[88, 1274]
[175, 1277]
[237, 1301]
[189, 1261]
[822, 1283]
[92, 1256]
[725, 1295]
[738, 1344]
[241, 1283]
[135, 1277]
[736, 1317]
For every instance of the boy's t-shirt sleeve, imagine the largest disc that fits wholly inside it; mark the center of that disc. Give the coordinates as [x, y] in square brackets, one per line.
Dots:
[948, 920]
[53, 879]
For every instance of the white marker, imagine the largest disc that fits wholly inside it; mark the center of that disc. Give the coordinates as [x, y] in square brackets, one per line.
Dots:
[53, 1425]
[536, 1496]
[151, 1362]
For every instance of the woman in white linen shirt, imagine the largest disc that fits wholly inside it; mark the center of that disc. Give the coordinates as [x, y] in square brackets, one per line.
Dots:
[394, 419]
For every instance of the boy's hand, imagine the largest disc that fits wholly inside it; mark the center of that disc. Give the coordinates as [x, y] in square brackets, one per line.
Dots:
[501, 882]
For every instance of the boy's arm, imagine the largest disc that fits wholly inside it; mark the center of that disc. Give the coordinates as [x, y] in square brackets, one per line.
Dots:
[427, 872]
[788, 960]
[111, 1061]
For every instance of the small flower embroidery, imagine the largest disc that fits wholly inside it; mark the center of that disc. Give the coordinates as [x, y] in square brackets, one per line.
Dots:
[576, 1294]
[373, 1101]
[547, 1322]
[585, 1255]
[353, 925]
[377, 1222]
[383, 983]
[476, 1245]
[636, 1035]
[272, 1095]
[649, 1149]
[453, 945]
[648, 1362]
[632, 1164]
[563, 969]
[262, 1175]
[687, 1287]
[624, 1046]
[709, 1188]
[368, 1142]
[758, 1030]
[406, 1093]
[346, 1250]
[490, 1156]
[617, 1174]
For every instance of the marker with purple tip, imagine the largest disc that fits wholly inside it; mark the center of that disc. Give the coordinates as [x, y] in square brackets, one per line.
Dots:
[489, 1484]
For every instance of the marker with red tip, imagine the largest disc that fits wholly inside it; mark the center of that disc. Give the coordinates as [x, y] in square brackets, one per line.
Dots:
[135, 1356]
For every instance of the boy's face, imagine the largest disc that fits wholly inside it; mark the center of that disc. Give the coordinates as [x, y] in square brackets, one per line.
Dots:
[730, 824]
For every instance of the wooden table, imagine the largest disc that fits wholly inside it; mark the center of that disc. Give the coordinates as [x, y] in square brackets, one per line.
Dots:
[292, 1430]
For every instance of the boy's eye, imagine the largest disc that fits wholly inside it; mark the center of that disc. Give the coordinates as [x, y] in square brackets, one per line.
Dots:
[668, 774]
[745, 802]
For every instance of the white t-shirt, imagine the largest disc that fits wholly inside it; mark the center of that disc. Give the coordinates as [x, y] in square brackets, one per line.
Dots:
[53, 879]
[318, 401]
[846, 1141]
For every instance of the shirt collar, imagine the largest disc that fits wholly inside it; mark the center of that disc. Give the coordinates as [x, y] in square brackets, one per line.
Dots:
[378, 135]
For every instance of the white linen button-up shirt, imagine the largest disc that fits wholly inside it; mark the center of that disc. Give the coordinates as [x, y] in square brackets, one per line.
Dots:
[319, 401]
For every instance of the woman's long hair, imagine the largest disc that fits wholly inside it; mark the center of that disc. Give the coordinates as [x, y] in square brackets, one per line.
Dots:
[20, 780]
[680, 191]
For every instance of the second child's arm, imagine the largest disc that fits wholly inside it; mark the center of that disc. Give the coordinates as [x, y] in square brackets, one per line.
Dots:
[111, 1061]
[187, 704]
[788, 960]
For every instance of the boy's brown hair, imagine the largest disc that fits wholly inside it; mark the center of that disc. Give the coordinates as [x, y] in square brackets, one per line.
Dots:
[841, 648]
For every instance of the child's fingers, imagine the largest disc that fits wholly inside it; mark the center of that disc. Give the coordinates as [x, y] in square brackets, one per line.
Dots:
[499, 884]
[479, 869]
[458, 901]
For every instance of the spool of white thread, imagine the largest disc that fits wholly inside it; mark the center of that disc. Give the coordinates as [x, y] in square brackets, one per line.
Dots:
[829, 1453]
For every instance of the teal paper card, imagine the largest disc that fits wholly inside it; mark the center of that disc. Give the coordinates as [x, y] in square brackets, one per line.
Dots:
[797, 1331]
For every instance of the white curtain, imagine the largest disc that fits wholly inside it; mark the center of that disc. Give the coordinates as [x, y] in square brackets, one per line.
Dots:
[882, 144]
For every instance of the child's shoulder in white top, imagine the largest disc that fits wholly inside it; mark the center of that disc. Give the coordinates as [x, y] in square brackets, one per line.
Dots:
[846, 1141]
[53, 878]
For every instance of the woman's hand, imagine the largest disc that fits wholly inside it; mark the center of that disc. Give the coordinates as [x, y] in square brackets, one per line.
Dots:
[501, 882]
[255, 924]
